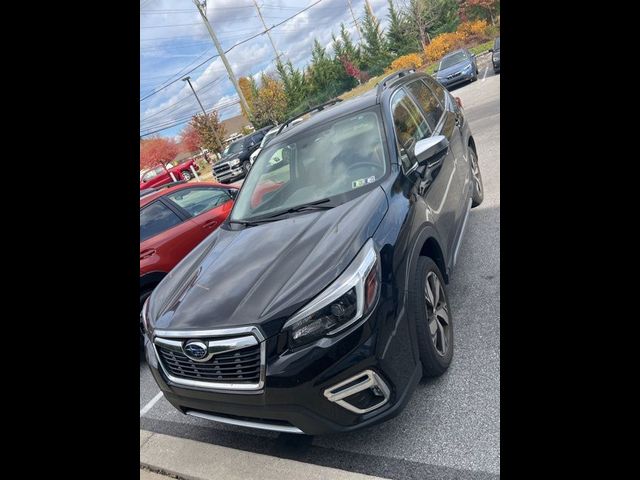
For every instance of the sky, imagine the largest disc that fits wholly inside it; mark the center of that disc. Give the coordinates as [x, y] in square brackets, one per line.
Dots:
[173, 40]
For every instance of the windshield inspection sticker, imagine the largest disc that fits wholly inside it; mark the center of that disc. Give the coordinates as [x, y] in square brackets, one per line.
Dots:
[362, 181]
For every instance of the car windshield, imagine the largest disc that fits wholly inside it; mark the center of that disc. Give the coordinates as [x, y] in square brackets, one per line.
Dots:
[333, 159]
[496, 46]
[232, 148]
[452, 60]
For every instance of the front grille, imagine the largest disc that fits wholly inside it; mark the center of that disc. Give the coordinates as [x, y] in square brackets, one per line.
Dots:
[239, 366]
[454, 75]
[221, 168]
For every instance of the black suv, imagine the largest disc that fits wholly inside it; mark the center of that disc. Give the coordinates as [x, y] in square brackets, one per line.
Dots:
[320, 303]
[234, 162]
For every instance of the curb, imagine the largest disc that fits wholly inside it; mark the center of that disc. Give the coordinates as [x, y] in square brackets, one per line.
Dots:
[163, 456]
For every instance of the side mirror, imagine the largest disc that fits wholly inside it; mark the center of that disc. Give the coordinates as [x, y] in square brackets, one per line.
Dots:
[233, 193]
[428, 150]
[491, 50]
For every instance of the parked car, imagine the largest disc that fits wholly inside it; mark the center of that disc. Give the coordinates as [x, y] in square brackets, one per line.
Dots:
[160, 175]
[267, 138]
[495, 55]
[235, 161]
[457, 67]
[321, 301]
[173, 220]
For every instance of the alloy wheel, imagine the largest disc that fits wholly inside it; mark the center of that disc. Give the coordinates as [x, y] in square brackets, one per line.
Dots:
[437, 313]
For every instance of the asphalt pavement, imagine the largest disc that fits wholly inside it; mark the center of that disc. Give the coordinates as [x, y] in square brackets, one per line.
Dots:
[451, 426]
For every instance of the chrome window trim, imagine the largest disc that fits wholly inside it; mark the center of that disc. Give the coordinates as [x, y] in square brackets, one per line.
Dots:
[245, 423]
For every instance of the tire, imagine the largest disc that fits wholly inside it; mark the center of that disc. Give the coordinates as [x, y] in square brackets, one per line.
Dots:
[246, 166]
[436, 350]
[478, 187]
[143, 297]
[187, 175]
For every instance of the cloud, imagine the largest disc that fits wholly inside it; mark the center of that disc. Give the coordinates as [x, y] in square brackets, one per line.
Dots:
[181, 42]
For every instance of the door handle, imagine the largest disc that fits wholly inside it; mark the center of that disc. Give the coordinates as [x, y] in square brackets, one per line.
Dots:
[147, 253]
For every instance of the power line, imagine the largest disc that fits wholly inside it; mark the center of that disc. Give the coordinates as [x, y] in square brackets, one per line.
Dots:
[184, 121]
[233, 46]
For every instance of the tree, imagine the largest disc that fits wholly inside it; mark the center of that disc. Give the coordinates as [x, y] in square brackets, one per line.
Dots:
[399, 38]
[270, 103]
[246, 87]
[375, 55]
[475, 9]
[157, 151]
[190, 139]
[323, 74]
[350, 51]
[295, 85]
[210, 131]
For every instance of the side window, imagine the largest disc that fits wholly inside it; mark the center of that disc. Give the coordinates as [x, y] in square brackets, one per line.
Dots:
[409, 124]
[436, 88]
[198, 200]
[155, 219]
[429, 103]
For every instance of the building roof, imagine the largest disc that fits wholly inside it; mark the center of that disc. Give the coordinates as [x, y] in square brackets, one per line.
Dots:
[235, 124]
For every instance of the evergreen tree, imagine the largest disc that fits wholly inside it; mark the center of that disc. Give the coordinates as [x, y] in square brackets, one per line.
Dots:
[294, 83]
[375, 55]
[351, 52]
[399, 38]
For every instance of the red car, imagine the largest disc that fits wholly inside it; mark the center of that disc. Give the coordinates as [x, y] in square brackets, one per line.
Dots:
[173, 220]
[160, 175]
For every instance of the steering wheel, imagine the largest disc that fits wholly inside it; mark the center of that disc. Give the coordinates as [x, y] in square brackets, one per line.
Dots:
[377, 168]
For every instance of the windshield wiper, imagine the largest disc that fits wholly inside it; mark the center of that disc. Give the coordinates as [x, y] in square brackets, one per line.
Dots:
[298, 208]
[305, 206]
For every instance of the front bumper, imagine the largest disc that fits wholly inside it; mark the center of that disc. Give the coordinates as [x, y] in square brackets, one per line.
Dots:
[296, 396]
[465, 77]
[234, 173]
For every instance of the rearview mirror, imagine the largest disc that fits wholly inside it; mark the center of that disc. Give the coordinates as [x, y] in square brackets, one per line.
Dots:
[429, 151]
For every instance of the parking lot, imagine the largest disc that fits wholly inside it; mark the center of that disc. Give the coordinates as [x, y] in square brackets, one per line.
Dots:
[451, 426]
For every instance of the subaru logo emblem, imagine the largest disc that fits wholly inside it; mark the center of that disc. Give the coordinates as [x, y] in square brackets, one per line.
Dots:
[196, 350]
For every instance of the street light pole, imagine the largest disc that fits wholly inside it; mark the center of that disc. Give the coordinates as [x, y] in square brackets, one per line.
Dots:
[188, 80]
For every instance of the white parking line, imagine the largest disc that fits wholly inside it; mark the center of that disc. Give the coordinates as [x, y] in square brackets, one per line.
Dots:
[486, 69]
[151, 403]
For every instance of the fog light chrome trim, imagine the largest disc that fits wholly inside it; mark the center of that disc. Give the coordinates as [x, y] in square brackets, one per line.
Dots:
[370, 379]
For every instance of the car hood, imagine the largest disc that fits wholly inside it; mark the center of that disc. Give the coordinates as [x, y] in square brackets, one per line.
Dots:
[261, 275]
[233, 156]
[453, 69]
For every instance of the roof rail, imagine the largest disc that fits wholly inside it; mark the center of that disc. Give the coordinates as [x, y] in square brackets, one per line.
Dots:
[312, 109]
[399, 74]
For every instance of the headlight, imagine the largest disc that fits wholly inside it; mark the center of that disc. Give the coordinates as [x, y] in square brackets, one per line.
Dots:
[351, 297]
[467, 68]
[234, 162]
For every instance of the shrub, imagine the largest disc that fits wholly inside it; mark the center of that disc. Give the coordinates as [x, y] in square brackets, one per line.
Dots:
[473, 31]
[412, 60]
[467, 32]
[443, 44]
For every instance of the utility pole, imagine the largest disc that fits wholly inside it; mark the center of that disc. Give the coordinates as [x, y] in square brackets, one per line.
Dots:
[213, 130]
[267, 30]
[202, 10]
[356, 22]
[369, 8]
